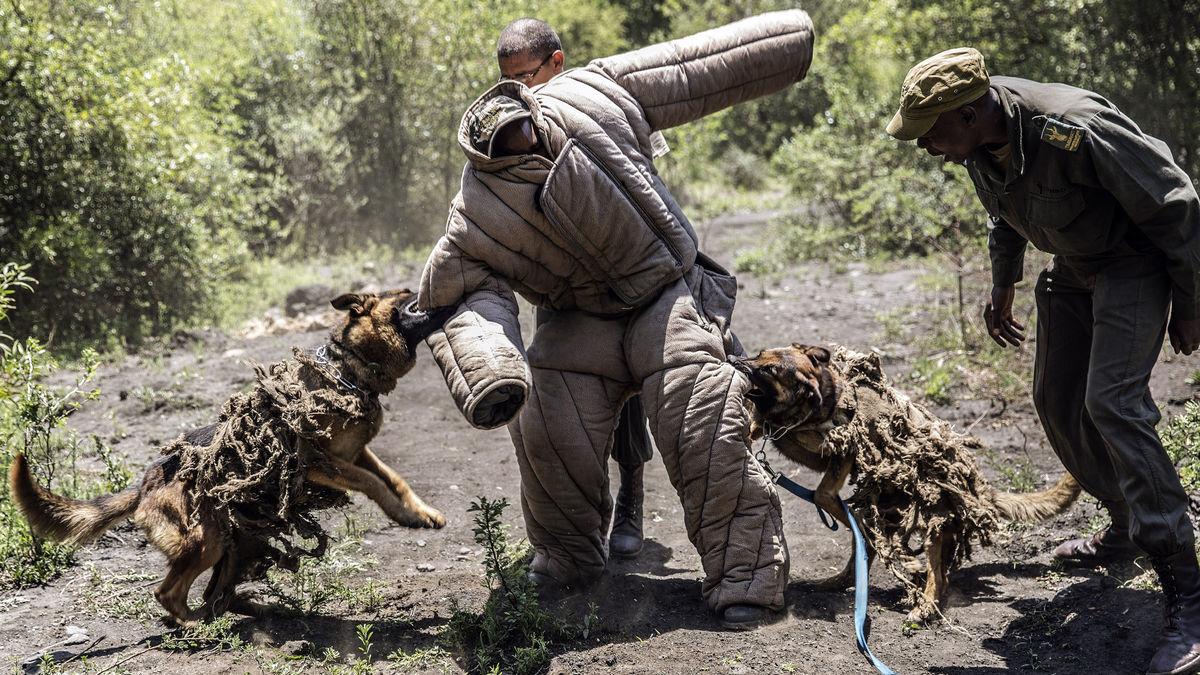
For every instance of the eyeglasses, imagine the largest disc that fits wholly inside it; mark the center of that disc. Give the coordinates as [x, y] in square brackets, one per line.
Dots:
[524, 78]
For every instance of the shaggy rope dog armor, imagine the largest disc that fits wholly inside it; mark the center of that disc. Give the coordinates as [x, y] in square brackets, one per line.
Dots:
[234, 494]
[917, 488]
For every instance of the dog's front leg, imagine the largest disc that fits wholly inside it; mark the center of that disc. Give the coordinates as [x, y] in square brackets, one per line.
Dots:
[827, 499]
[371, 462]
[347, 476]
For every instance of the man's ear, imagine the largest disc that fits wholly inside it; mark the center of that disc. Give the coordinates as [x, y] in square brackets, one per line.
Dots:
[969, 115]
[558, 61]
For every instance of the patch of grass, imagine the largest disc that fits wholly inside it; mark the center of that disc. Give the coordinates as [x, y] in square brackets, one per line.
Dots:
[891, 324]
[430, 658]
[1020, 475]
[120, 596]
[1017, 474]
[333, 579]
[154, 399]
[215, 635]
[758, 263]
[955, 354]
[936, 377]
[513, 633]
[1194, 378]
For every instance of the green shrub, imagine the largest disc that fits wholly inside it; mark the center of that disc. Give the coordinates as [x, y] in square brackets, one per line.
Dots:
[33, 418]
[513, 633]
[1181, 438]
[119, 189]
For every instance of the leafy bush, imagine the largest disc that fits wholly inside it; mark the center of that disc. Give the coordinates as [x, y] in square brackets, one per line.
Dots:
[1181, 438]
[513, 633]
[33, 422]
[119, 189]
[874, 195]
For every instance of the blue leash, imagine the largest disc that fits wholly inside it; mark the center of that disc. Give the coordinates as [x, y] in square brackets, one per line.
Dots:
[860, 556]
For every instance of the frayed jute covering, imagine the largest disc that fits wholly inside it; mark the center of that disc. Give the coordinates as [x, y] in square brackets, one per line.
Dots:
[913, 474]
[251, 475]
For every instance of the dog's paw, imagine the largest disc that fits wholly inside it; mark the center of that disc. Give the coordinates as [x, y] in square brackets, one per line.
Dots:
[923, 613]
[433, 518]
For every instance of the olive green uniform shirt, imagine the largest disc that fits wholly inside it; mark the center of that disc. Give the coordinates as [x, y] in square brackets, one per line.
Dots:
[1085, 183]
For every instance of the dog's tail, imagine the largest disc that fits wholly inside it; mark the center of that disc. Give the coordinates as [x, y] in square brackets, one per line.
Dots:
[1032, 507]
[69, 520]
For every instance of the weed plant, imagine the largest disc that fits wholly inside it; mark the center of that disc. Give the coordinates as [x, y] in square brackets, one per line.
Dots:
[33, 422]
[513, 633]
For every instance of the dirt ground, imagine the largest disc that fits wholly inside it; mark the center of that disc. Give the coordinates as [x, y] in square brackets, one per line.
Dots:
[1010, 609]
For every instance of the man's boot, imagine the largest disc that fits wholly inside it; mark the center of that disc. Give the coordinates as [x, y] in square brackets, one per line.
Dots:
[1110, 546]
[1179, 649]
[626, 538]
[1107, 547]
[748, 617]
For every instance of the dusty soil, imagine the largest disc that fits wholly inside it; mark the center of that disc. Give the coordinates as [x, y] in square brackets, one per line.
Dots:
[1010, 609]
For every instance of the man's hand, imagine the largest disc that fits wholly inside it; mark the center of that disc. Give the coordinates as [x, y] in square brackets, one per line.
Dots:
[998, 317]
[1184, 334]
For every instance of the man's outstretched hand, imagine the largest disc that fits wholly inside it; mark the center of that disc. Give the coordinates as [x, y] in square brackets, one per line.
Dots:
[998, 317]
[1184, 334]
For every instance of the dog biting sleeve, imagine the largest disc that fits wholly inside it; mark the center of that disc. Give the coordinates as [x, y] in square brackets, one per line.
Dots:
[482, 357]
[683, 80]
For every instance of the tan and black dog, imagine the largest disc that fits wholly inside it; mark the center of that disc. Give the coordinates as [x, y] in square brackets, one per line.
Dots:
[368, 352]
[795, 396]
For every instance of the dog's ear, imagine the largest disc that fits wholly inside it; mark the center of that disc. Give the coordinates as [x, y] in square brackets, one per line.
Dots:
[819, 355]
[350, 302]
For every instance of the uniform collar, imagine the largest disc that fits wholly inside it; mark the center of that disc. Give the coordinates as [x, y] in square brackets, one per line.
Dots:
[1014, 122]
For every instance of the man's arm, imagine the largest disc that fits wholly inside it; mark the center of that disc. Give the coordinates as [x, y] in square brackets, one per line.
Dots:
[683, 80]
[1158, 196]
[479, 350]
[1006, 247]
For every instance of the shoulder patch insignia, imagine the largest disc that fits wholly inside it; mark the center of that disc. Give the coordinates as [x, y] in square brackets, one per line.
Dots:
[1062, 134]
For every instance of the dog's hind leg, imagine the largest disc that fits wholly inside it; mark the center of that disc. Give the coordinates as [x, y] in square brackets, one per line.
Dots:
[371, 462]
[219, 593]
[192, 560]
[351, 477]
[929, 601]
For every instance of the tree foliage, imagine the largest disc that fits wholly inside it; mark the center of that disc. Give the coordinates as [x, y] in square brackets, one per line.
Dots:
[149, 148]
[874, 195]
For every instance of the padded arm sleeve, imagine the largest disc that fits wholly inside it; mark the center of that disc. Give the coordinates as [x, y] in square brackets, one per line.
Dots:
[683, 80]
[482, 357]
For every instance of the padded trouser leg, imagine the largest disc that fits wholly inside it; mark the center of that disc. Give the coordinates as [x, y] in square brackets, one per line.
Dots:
[698, 417]
[562, 438]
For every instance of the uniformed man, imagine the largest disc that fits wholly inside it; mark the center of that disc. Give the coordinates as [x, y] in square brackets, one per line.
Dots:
[1062, 168]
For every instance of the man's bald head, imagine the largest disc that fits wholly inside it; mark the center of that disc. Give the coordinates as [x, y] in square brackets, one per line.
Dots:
[529, 51]
[531, 37]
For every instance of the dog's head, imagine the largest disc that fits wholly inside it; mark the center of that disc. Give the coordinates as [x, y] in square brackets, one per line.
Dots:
[792, 385]
[383, 330]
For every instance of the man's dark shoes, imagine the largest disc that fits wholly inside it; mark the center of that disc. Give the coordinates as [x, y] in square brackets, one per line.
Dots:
[748, 617]
[1106, 547]
[626, 538]
[1179, 649]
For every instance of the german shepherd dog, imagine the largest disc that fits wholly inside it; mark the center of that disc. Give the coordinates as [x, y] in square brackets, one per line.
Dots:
[372, 348]
[796, 389]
